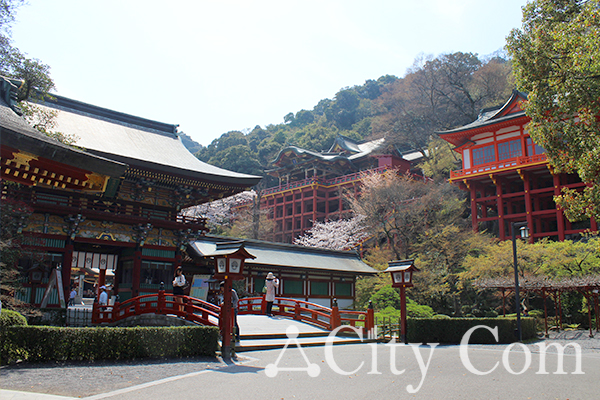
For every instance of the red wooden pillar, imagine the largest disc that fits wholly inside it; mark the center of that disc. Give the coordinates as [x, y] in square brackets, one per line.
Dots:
[102, 277]
[66, 268]
[474, 216]
[588, 297]
[370, 320]
[403, 315]
[161, 302]
[225, 321]
[137, 272]
[500, 207]
[263, 304]
[314, 212]
[545, 312]
[596, 309]
[334, 320]
[560, 219]
[527, 186]
[178, 257]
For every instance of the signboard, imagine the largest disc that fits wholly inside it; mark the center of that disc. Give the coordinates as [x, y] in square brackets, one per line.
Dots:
[55, 280]
[82, 259]
[199, 287]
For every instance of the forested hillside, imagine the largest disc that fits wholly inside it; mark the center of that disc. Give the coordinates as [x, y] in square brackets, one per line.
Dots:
[435, 94]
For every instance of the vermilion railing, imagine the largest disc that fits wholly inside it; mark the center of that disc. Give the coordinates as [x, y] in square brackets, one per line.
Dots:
[512, 163]
[326, 182]
[205, 313]
[190, 309]
[312, 313]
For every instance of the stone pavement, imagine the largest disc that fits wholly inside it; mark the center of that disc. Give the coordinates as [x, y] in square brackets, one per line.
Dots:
[350, 372]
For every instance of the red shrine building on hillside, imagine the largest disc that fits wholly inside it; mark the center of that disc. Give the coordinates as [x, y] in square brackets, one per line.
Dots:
[311, 183]
[113, 207]
[508, 176]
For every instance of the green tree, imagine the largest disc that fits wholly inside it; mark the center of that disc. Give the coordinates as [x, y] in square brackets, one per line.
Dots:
[385, 297]
[238, 158]
[438, 94]
[400, 209]
[440, 160]
[15, 64]
[556, 57]
[13, 218]
[442, 251]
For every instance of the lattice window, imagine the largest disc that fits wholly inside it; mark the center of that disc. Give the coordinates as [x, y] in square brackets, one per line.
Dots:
[484, 155]
[510, 149]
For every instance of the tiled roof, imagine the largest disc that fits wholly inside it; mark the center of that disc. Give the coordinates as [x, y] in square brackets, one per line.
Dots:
[291, 256]
[359, 150]
[136, 141]
[491, 116]
[18, 134]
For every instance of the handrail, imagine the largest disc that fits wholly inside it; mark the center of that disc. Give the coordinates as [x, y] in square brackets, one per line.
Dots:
[190, 309]
[205, 313]
[326, 182]
[505, 164]
[311, 313]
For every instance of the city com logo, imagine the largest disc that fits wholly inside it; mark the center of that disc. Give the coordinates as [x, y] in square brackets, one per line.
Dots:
[314, 370]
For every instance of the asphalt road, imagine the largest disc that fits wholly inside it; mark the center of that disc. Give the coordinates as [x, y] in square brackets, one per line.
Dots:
[360, 371]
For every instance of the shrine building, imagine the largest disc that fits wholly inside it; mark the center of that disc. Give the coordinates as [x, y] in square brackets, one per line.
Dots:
[305, 273]
[311, 183]
[111, 203]
[508, 176]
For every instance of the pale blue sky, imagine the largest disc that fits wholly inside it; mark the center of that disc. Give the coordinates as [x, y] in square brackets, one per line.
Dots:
[217, 66]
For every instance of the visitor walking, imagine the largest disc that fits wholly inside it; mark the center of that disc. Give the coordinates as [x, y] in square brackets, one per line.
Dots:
[271, 284]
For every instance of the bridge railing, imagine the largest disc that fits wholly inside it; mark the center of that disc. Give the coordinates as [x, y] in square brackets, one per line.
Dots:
[188, 308]
[312, 313]
[203, 312]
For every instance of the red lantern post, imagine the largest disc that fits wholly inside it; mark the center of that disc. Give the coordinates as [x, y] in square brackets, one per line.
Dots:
[401, 272]
[229, 266]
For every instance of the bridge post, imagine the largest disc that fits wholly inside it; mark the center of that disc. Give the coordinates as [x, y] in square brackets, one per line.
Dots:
[263, 305]
[188, 308]
[95, 313]
[116, 310]
[161, 301]
[334, 320]
[225, 320]
[370, 318]
[297, 315]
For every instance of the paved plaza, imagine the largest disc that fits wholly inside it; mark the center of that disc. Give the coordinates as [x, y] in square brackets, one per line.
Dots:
[349, 371]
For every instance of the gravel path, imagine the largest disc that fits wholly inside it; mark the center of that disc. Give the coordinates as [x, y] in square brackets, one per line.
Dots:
[81, 379]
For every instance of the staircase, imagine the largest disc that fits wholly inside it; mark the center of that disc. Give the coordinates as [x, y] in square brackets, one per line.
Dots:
[260, 332]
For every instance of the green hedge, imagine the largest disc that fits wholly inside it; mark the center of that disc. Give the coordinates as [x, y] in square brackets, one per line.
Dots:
[10, 318]
[451, 330]
[45, 343]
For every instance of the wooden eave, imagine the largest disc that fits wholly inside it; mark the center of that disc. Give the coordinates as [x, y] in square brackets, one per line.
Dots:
[461, 139]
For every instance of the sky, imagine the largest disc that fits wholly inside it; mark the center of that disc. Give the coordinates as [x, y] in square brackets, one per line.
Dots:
[217, 66]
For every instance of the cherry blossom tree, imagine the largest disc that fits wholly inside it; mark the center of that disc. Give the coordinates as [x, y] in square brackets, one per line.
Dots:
[237, 216]
[342, 234]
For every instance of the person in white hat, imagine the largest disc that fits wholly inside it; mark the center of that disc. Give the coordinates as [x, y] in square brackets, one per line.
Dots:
[271, 284]
[103, 299]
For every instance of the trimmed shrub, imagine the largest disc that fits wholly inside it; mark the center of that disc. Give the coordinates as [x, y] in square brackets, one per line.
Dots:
[452, 330]
[10, 318]
[45, 343]
[7, 349]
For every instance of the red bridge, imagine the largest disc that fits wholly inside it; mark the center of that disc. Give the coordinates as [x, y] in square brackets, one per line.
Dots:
[204, 313]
